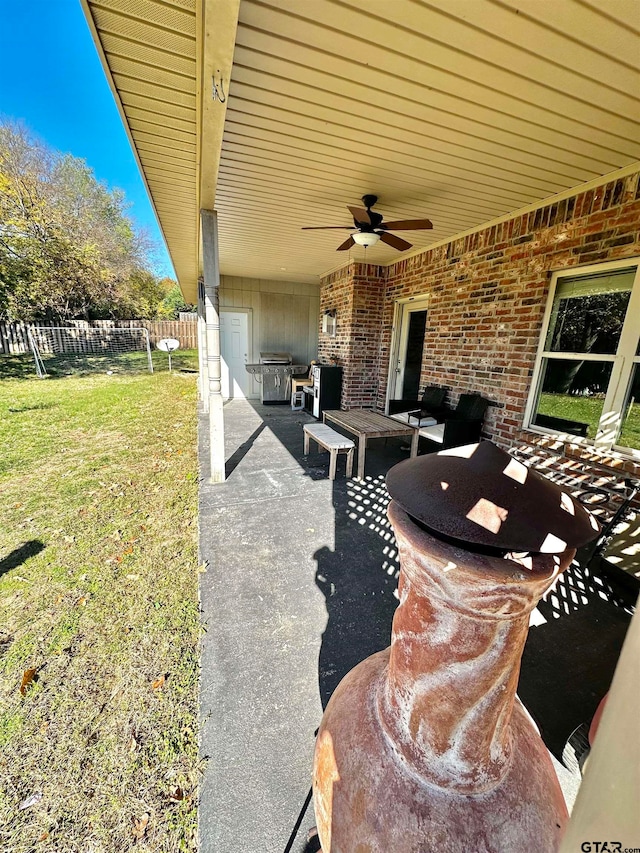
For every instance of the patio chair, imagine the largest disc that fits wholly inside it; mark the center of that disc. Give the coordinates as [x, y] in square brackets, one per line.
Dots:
[431, 404]
[458, 426]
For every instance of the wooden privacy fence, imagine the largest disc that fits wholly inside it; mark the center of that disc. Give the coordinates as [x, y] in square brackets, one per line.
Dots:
[14, 339]
[184, 331]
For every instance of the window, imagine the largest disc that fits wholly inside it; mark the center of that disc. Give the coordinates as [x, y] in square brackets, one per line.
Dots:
[587, 377]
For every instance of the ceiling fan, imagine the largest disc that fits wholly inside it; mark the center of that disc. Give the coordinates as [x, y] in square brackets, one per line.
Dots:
[370, 228]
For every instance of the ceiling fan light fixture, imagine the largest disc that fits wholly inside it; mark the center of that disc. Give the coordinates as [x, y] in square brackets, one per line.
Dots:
[366, 238]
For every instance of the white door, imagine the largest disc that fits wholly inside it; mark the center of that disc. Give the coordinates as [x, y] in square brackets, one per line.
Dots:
[234, 349]
[407, 349]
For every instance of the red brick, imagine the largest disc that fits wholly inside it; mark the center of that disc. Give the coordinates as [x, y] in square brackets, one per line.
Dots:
[483, 326]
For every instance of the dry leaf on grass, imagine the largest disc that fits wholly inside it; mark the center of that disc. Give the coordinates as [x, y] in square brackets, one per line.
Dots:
[140, 826]
[158, 683]
[44, 836]
[177, 795]
[28, 677]
[81, 602]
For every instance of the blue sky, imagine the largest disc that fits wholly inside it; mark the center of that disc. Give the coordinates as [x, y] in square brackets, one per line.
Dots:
[51, 78]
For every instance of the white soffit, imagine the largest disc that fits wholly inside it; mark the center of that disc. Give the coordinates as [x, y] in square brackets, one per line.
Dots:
[460, 112]
[149, 51]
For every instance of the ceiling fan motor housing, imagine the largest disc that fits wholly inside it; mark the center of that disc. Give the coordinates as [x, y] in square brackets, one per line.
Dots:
[375, 219]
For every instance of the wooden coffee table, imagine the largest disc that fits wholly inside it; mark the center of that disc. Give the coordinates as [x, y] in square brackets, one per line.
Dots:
[367, 424]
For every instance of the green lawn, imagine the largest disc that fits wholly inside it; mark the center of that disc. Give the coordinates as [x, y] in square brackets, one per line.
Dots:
[589, 410]
[99, 614]
[135, 361]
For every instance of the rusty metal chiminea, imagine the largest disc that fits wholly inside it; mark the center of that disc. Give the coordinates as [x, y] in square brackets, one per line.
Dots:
[424, 746]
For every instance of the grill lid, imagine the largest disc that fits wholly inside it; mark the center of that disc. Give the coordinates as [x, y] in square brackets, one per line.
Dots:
[275, 358]
[481, 495]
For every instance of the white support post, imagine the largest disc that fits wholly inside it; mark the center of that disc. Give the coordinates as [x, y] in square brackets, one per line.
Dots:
[211, 266]
[203, 377]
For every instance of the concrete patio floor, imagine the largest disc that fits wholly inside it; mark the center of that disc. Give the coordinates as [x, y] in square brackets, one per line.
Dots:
[299, 587]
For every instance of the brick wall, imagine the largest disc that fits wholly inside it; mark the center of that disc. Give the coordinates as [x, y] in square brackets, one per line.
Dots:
[488, 293]
[356, 294]
[489, 290]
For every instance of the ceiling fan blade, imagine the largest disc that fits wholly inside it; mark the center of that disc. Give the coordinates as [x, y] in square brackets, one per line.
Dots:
[409, 224]
[326, 227]
[360, 214]
[346, 245]
[396, 242]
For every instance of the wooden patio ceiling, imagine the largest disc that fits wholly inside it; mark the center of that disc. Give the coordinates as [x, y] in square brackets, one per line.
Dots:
[461, 112]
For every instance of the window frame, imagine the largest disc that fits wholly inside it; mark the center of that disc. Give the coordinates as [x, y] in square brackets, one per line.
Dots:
[623, 360]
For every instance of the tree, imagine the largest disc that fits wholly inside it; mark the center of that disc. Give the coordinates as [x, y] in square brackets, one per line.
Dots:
[67, 248]
[141, 296]
[173, 302]
[585, 324]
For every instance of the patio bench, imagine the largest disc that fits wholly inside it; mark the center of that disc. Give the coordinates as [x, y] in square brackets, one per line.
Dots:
[332, 441]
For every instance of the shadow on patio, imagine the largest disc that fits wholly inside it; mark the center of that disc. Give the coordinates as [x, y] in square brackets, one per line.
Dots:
[299, 587]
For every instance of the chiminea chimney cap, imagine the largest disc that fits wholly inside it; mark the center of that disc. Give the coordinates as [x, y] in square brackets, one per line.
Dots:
[480, 495]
